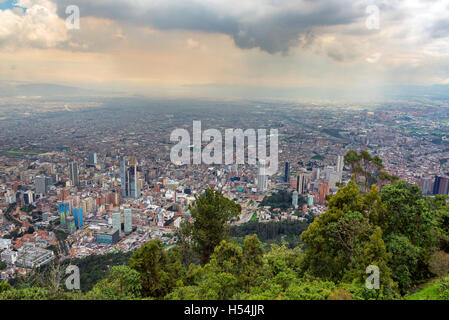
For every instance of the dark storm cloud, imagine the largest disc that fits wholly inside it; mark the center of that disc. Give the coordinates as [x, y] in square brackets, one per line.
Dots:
[271, 25]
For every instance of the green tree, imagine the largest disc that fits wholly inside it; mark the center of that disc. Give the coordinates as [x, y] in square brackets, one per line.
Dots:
[252, 261]
[440, 206]
[375, 253]
[367, 170]
[410, 232]
[336, 239]
[404, 261]
[183, 243]
[158, 270]
[121, 283]
[227, 257]
[217, 280]
[211, 213]
[4, 286]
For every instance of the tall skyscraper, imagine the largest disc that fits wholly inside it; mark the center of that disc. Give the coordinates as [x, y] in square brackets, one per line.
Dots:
[134, 187]
[130, 186]
[340, 165]
[70, 222]
[441, 185]
[116, 221]
[74, 171]
[286, 171]
[123, 176]
[262, 177]
[295, 199]
[62, 215]
[426, 184]
[128, 220]
[323, 191]
[300, 185]
[334, 177]
[42, 184]
[436, 185]
[78, 217]
[92, 161]
[310, 200]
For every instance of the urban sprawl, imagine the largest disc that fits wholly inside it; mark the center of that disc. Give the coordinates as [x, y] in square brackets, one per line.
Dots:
[94, 176]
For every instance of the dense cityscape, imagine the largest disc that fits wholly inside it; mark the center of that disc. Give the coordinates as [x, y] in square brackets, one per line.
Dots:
[220, 158]
[96, 177]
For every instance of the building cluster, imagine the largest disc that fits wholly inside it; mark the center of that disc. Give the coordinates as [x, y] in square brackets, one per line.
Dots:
[103, 181]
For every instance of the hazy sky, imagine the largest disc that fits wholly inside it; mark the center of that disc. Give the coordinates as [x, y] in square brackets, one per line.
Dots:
[179, 45]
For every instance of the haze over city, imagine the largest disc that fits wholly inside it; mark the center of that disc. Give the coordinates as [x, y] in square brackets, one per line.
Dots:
[224, 150]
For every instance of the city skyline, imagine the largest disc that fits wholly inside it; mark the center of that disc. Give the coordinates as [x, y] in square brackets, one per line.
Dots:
[224, 150]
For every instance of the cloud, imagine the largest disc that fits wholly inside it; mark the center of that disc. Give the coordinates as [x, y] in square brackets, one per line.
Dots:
[440, 29]
[270, 25]
[32, 23]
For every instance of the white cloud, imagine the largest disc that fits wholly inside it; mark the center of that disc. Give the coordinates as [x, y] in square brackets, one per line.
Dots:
[37, 26]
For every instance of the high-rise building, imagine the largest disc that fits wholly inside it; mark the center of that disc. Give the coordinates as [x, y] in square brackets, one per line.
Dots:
[426, 185]
[441, 185]
[340, 165]
[28, 197]
[128, 220]
[130, 186]
[310, 200]
[300, 185]
[334, 177]
[295, 199]
[71, 226]
[133, 178]
[116, 221]
[74, 171]
[62, 214]
[262, 177]
[78, 217]
[42, 184]
[323, 191]
[327, 172]
[286, 171]
[123, 176]
[436, 185]
[92, 159]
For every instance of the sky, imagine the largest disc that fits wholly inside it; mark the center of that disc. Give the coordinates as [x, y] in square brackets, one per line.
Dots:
[221, 47]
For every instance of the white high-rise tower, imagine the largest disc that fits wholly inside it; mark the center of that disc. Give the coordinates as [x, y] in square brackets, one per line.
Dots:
[295, 199]
[262, 177]
[340, 165]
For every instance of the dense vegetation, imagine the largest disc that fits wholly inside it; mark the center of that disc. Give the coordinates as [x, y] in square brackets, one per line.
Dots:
[92, 268]
[96, 267]
[396, 229]
[284, 232]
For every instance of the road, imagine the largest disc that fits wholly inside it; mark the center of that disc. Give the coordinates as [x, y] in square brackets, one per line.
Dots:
[247, 213]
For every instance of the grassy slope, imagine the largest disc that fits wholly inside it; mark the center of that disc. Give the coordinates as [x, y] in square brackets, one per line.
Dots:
[428, 291]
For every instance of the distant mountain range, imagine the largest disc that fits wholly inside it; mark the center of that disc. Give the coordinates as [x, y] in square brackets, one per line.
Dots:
[43, 90]
[8, 89]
